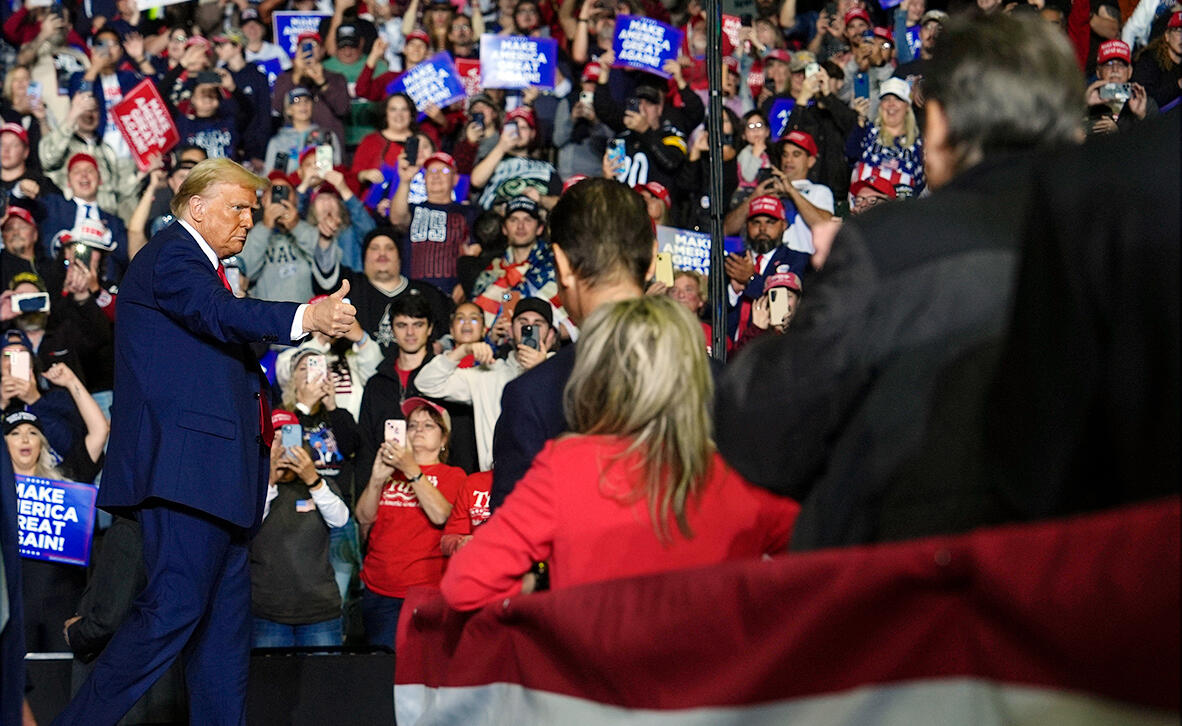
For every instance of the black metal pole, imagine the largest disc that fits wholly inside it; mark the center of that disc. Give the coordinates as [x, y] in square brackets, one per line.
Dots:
[714, 117]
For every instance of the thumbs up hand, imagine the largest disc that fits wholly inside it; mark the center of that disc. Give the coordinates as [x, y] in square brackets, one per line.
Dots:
[333, 315]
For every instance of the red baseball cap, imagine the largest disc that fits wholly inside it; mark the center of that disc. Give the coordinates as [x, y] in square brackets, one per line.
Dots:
[658, 190]
[414, 403]
[17, 129]
[803, 139]
[308, 35]
[786, 279]
[21, 213]
[280, 418]
[277, 175]
[525, 113]
[1114, 50]
[768, 206]
[198, 40]
[857, 14]
[1175, 21]
[418, 35]
[876, 183]
[78, 159]
[591, 72]
[779, 54]
[442, 158]
[881, 32]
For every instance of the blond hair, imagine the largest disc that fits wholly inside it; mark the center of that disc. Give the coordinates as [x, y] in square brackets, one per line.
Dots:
[208, 174]
[46, 466]
[641, 374]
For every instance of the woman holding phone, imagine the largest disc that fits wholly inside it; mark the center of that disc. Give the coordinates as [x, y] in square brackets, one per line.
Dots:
[293, 591]
[637, 487]
[384, 146]
[893, 141]
[404, 506]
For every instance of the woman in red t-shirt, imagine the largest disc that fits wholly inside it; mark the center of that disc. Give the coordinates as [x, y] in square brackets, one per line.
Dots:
[638, 487]
[404, 507]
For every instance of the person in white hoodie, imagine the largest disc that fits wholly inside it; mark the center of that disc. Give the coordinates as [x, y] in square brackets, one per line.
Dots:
[469, 372]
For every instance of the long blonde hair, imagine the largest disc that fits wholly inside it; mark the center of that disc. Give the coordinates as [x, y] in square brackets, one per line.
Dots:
[641, 374]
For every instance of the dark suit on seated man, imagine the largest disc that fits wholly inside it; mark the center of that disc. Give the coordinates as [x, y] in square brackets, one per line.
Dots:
[188, 454]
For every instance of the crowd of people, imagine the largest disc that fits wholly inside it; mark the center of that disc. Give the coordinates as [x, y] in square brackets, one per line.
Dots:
[481, 241]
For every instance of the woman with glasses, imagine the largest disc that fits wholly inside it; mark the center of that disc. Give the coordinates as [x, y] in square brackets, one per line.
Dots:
[439, 227]
[403, 509]
[753, 153]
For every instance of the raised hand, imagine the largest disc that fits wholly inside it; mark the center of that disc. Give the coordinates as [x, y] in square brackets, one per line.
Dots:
[333, 316]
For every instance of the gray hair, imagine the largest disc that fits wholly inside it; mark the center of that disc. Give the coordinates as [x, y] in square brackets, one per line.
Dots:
[1005, 83]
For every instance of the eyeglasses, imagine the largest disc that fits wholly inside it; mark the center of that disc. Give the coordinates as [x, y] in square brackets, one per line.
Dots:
[446, 171]
[105, 44]
[755, 125]
[179, 37]
[868, 201]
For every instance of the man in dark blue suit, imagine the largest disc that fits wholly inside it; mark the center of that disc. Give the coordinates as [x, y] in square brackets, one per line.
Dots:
[766, 223]
[603, 252]
[188, 452]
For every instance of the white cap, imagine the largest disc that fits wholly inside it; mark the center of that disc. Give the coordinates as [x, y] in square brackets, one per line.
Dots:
[895, 87]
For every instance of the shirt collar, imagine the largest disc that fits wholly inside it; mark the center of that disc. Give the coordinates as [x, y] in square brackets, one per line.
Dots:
[209, 253]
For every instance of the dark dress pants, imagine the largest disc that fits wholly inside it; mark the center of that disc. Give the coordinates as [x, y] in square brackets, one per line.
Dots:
[196, 606]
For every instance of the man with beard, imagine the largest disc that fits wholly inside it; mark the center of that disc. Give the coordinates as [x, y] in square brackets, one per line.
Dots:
[766, 223]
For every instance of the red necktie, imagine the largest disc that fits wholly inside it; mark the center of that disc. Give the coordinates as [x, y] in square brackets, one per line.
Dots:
[222, 275]
[265, 428]
[758, 266]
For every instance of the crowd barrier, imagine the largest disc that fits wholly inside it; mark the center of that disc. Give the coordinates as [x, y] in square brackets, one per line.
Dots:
[1062, 622]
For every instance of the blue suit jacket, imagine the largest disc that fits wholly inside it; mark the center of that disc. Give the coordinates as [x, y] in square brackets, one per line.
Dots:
[796, 261]
[60, 214]
[185, 418]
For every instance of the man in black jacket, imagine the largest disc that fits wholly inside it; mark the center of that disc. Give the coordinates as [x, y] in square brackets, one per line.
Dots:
[654, 132]
[843, 399]
[393, 383]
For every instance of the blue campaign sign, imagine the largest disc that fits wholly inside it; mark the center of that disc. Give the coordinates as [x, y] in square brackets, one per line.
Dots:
[55, 519]
[691, 250]
[434, 81]
[645, 44]
[288, 24]
[271, 69]
[778, 116]
[510, 61]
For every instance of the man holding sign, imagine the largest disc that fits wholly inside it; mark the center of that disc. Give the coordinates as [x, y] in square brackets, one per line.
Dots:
[188, 454]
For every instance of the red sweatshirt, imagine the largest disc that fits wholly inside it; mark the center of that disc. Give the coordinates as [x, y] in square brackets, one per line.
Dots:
[565, 511]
